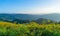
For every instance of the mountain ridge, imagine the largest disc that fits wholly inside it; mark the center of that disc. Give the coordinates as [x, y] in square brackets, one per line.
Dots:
[54, 16]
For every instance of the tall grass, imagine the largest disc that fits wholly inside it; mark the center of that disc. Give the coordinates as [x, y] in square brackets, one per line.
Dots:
[31, 29]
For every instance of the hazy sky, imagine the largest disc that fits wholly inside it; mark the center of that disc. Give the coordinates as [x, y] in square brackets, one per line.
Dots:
[30, 6]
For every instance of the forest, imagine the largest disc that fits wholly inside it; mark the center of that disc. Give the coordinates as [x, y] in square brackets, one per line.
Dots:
[10, 26]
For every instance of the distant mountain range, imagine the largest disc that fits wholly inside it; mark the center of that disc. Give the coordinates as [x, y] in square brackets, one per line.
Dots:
[54, 17]
[11, 17]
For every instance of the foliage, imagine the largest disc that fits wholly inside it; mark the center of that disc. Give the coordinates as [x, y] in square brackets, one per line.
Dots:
[30, 29]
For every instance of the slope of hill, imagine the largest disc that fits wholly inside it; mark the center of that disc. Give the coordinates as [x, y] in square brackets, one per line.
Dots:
[11, 17]
[44, 21]
[54, 17]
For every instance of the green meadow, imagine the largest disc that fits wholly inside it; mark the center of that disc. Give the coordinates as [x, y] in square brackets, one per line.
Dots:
[29, 29]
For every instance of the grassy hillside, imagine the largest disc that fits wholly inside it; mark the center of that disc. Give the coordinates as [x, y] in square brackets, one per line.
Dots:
[31, 29]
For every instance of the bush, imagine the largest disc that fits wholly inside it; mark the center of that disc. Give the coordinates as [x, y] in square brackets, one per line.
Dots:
[31, 29]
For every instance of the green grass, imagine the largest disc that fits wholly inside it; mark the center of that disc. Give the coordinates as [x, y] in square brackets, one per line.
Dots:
[31, 29]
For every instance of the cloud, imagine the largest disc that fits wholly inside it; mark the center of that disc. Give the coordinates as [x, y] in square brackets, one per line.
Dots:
[46, 10]
[53, 8]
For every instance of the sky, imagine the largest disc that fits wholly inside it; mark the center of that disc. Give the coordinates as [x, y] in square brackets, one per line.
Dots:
[30, 6]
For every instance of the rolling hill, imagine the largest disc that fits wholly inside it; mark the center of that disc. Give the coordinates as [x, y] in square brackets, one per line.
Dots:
[29, 17]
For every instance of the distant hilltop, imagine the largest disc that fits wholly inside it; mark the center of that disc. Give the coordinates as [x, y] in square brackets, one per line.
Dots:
[11, 17]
